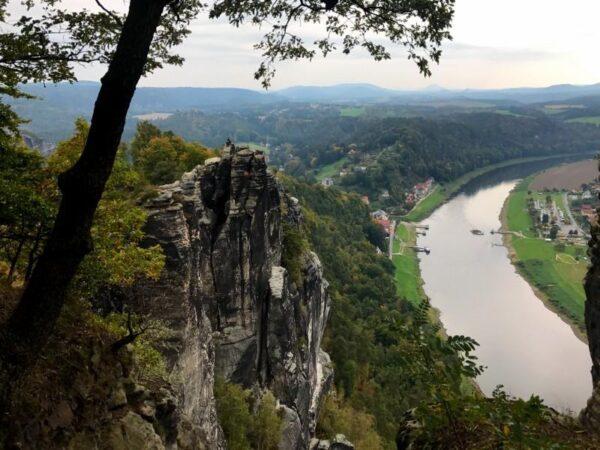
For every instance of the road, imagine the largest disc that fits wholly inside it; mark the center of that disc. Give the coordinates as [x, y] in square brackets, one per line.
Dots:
[574, 223]
[391, 240]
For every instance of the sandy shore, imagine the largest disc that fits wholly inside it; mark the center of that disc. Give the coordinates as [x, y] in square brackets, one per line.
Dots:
[507, 241]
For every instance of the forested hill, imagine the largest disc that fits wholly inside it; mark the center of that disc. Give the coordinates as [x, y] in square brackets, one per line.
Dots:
[392, 153]
[400, 153]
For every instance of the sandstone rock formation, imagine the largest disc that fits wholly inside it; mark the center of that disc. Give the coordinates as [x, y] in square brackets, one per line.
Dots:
[591, 414]
[230, 304]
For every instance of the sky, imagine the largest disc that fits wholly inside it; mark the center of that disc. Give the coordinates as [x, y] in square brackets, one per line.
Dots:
[496, 44]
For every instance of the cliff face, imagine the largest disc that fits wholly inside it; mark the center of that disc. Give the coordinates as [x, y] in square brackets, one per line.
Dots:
[233, 310]
[591, 414]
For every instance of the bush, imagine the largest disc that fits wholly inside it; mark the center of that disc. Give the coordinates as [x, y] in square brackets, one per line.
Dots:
[266, 430]
[244, 430]
[294, 246]
[358, 426]
[234, 413]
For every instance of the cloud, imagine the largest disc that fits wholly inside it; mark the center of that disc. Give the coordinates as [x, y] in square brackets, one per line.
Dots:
[498, 43]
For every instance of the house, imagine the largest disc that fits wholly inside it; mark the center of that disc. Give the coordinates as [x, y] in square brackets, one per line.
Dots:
[385, 194]
[327, 182]
[380, 214]
[365, 199]
[589, 213]
[420, 190]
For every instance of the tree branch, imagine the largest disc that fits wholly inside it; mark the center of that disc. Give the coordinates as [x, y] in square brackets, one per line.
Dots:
[110, 13]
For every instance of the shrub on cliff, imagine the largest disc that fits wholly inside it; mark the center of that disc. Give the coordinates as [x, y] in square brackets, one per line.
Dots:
[247, 423]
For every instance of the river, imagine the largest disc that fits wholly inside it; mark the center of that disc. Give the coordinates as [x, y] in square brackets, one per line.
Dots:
[470, 279]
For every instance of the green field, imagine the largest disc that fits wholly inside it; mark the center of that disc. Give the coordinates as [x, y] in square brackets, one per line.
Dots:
[506, 112]
[352, 111]
[555, 272]
[408, 275]
[331, 169]
[592, 120]
[442, 193]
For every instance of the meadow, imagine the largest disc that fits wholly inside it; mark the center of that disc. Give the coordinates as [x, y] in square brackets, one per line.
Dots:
[554, 269]
[407, 275]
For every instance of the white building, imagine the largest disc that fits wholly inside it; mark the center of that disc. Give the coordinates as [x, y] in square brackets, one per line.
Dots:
[327, 182]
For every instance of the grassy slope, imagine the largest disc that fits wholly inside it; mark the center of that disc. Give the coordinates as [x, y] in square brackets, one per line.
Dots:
[556, 274]
[352, 111]
[330, 169]
[441, 194]
[407, 275]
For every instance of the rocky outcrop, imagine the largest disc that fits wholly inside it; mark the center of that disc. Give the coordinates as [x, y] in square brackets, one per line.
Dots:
[591, 414]
[230, 304]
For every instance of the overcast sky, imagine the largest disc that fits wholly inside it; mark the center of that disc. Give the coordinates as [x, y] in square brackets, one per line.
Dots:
[497, 43]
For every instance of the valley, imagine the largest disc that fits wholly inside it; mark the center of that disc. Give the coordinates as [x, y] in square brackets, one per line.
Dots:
[461, 263]
[217, 235]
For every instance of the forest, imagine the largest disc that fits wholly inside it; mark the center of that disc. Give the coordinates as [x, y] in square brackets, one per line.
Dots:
[396, 151]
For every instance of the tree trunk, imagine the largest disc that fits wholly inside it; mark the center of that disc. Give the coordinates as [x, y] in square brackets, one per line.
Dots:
[15, 260]
[32, 257]
[82, 186]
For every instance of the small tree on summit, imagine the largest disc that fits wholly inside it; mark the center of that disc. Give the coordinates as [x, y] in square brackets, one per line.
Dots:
[139, 42]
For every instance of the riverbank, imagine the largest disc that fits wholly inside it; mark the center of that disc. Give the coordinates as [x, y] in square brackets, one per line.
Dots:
[409, 284]
[554, 272]
[442, 193]
[407, 276]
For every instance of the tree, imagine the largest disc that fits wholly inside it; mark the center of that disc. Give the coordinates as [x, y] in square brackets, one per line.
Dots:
[165, 157]
[143, 40]
[144, 132]
[554, 231]
[26, 208]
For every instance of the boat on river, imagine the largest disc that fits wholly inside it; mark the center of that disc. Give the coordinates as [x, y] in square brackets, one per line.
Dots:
[477, 232]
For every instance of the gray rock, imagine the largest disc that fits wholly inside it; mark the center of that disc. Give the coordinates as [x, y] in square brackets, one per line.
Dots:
[229, 303]
[341, 443]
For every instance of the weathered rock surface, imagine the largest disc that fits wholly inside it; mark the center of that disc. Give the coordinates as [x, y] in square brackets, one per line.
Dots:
[231, 306]
[591, 414]
[338, 443]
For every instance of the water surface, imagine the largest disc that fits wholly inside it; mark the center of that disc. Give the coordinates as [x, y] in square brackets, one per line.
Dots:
[525, 346]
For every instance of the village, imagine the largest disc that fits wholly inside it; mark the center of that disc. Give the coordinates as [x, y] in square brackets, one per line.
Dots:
[564, 215]
[418, 192]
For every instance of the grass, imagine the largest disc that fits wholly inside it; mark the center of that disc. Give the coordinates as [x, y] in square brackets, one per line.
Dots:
[352, 111]
[506, 112]
[331, 169]
[407, 275]
[442, 193]
[555, 273]
[592, 120]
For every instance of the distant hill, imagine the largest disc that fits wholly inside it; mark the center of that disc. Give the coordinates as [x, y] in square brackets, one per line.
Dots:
[338, 93]
[369, 92]
[52, 114]
[557, 92]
